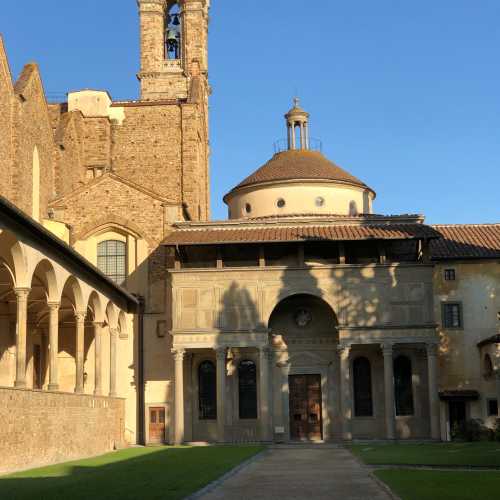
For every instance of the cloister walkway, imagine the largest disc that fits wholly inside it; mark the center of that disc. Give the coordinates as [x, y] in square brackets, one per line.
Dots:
[300, 472]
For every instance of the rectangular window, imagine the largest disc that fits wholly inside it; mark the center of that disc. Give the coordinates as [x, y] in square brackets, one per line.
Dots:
[449, 274]
[452, 315]
[492, 407]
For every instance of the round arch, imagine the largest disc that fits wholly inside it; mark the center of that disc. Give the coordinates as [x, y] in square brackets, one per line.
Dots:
[13, 255]
[72, 292]
[45, 273]
[95, 305]
[111, 315]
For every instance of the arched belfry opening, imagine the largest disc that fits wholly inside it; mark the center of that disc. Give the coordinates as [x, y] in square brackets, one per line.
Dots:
[173, 31]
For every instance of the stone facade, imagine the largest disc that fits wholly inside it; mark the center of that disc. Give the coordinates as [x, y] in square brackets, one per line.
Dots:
[41, 428]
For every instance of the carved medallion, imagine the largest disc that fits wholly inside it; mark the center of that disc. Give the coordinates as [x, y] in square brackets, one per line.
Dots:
[302, 317]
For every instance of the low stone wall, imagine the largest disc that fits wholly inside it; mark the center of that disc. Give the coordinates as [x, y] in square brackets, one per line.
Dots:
[39, 428]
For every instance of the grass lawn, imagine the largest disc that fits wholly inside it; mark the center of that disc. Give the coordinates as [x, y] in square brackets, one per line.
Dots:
[444, 485]
[481, 453]
[131, 474]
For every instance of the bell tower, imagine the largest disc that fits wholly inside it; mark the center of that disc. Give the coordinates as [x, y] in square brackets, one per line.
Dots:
[174, 47]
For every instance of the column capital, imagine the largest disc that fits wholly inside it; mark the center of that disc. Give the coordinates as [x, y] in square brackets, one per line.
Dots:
[98, 324]
[53, 306]
[80, 316]
[344, 349]
[114, 332]
[22, 292]
[221, 353]
[387, 348]
[179, 354]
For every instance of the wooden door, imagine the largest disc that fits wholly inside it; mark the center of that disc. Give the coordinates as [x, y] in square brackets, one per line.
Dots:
[157, 425]
[458, 416]
[305, 407]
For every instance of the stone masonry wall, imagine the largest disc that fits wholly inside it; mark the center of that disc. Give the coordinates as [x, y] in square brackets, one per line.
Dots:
[39, 428]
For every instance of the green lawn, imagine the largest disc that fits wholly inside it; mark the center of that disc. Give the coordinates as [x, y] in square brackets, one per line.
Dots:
[432, 485]
[464, 454]
[136, 473]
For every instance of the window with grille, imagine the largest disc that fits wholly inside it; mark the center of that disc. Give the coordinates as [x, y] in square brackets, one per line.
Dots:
[207, 391]
[452, 315]
[363, 405]
[111, 260]
[247, 382]
[449, 275]
[403, 388]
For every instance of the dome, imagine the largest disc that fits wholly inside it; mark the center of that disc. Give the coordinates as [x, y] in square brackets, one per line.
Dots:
[299, 181]
[299, 165]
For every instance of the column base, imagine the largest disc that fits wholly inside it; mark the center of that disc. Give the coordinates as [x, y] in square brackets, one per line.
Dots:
[79, 390]
[53, 387]
[113, 395]
[19, 384]
[98, 392]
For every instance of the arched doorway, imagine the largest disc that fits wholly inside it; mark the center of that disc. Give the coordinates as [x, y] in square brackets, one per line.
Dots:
[305, 337]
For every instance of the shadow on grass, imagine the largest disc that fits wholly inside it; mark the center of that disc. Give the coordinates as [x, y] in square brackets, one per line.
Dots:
[145, 473]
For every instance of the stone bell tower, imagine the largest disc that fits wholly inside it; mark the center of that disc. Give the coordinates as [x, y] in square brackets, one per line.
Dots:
[174, 39]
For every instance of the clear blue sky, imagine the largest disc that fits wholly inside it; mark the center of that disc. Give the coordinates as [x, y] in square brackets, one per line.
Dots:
[405, 95]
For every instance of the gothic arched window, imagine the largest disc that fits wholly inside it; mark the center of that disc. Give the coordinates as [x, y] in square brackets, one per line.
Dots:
[247, 389]
[403, 390]
[173, 34]
[363, 404]
[207, 391]
[112, 259]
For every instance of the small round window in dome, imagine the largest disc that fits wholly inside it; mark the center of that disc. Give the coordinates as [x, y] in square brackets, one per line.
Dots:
[320, 201]
[281, 203]
[248, 208]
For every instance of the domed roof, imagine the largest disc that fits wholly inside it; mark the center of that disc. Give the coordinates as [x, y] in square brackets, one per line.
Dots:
[300, 165]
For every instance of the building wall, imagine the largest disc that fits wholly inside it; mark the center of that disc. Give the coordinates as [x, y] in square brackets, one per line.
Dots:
[476, 288]
[40, 428]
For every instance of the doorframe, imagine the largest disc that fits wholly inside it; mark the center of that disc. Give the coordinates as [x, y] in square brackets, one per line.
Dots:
[322, 371]
[168, 426]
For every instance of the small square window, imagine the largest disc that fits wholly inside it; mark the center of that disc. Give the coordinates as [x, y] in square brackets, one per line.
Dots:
[449, 275]
[452, 315]
[492, 407]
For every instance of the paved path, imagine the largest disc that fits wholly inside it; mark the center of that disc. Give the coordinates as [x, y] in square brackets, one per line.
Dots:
[296, 472]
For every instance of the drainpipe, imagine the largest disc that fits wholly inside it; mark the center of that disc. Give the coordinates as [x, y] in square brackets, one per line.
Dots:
[140, 374]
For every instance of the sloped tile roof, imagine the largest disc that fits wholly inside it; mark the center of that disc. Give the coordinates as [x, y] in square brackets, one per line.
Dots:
[467, 241]
[287, 233]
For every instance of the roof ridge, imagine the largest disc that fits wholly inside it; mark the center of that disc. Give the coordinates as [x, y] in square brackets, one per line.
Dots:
[481, 224]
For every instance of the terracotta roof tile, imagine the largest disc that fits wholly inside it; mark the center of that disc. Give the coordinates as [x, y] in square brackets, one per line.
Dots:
[220, 235]
[299, 165]
[467, 241]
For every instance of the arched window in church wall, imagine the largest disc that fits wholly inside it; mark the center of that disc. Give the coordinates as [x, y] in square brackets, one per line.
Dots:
[35, 194]
[403, 389]
[173, 32]
[112, 260]
[247, 389]
[207, 391]
[363, 403]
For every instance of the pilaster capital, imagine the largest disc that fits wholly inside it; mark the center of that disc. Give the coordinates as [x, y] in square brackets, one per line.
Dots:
[22, 293]
[179, 354]
[221, 353]
[98, 324]
[114, 332]
[387, 348]
[432, 349]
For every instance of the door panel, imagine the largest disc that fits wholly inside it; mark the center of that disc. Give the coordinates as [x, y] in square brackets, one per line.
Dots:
[305, 407]
[157, 425]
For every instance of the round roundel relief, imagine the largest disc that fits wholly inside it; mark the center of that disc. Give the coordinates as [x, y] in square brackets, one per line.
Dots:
[303, 317]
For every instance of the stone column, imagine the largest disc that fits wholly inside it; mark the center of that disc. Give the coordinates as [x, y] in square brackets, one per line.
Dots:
[79, 352]
[179, 395]
[345, 390]
[264, 392]
[21, 329]
[302, 138]
[390, 423]
[221, 393]
[113, 361]
[432, 376]
[53, 345]
[98, 391]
